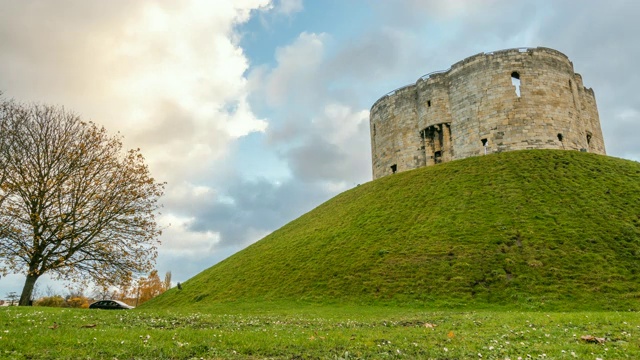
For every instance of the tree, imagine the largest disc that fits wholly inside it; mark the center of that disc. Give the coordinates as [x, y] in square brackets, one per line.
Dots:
[149, 287]
[12, 296]
[167, 281]
[76, 206]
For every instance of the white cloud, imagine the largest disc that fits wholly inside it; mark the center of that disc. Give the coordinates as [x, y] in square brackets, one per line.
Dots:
[296, 70]
[340, 122]
[288, 7]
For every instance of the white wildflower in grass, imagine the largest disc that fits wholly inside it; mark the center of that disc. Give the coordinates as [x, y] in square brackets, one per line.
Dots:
[445, 349]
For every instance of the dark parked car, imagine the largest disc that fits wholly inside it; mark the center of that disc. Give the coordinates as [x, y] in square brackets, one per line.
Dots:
[110, 305]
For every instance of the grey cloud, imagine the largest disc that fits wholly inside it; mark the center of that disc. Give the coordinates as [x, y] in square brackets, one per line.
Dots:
[251, 207]
[317, 159]
[367, 57]
[320, 160]
[622, 137]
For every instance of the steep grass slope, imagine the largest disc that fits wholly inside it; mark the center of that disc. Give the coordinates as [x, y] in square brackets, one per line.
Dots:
[532, 229]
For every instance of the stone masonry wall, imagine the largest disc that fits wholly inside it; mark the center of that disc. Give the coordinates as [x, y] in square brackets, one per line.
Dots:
[474, 109]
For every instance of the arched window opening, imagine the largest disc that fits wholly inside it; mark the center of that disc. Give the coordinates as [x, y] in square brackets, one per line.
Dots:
[560, 137]
[588, 149]
[515, 81]
[394, 168]
[437, 157]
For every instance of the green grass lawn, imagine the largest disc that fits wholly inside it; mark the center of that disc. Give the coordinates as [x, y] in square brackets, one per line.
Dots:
[305, 331]
[542, 230]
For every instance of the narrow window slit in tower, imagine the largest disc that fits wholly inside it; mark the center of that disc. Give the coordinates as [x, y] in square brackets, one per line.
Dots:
[374, 129]
[394, 168]
[428, 103]
[484, 145]
[515, 81]
[560, 137]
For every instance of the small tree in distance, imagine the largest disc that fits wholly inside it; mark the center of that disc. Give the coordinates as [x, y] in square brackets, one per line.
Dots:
[12, 296]
[149, 287]
[75, 205]
[167, 281]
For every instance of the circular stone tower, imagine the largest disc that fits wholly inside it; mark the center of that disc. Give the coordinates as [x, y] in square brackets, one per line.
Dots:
[527, 98]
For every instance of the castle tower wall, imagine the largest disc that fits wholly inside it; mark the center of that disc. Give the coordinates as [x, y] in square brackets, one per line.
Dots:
[491, 102]
[393, 133]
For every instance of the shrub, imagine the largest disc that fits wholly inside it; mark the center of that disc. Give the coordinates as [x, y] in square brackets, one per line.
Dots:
[50, 301]
[78, 302]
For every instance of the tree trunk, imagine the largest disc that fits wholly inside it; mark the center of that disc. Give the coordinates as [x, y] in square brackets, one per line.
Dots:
[27, 290]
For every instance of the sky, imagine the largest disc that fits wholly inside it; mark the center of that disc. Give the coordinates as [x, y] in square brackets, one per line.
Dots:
[256, 111]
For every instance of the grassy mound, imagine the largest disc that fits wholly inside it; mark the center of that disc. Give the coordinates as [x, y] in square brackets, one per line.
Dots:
[529, 229]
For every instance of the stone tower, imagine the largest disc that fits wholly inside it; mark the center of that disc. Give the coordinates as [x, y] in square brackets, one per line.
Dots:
[527, 98]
